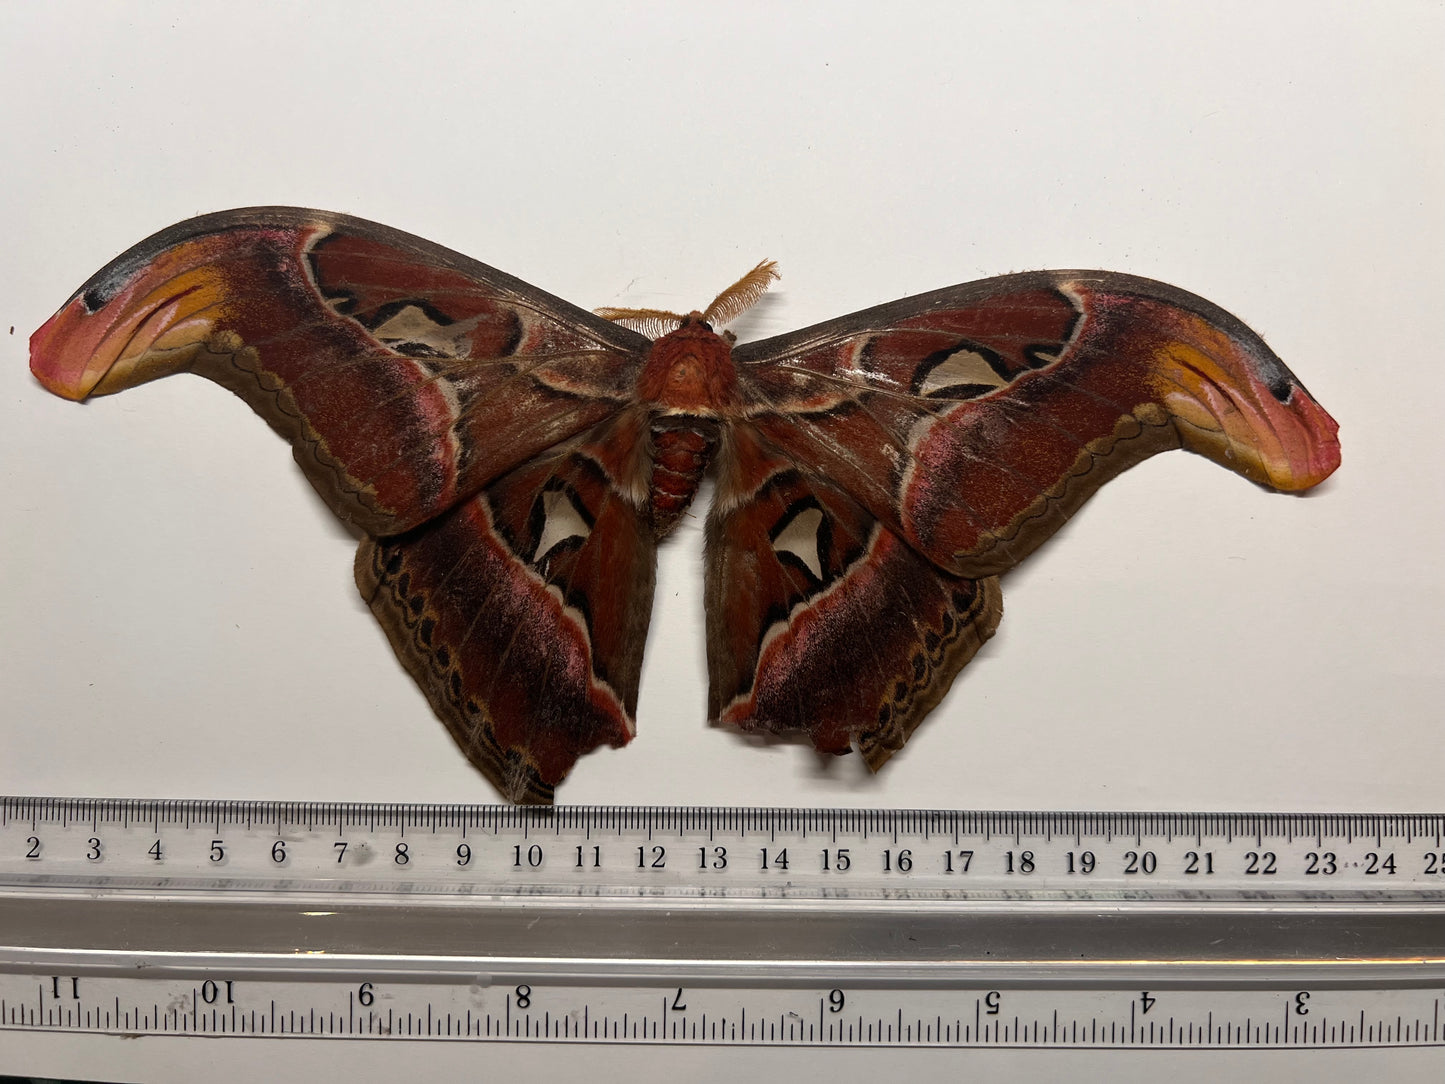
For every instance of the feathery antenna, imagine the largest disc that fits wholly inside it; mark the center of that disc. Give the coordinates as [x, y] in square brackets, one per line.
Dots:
[741, 295]
[726, 307]
[654, 323]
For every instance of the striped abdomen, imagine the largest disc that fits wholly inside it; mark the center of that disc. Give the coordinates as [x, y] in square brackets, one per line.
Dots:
[682, 446]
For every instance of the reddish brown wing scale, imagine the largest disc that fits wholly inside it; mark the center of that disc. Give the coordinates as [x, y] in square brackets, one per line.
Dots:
[964, 427]
[522, 614]
[514, 459]
[435, 403]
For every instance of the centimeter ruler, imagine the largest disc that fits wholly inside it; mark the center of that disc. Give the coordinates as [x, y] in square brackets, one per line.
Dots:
[722, 926]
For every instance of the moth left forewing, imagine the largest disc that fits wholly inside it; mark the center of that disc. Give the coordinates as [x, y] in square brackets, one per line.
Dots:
[405, 375]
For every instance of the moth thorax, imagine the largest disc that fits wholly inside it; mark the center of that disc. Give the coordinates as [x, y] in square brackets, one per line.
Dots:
[690, 369]
[682, 446]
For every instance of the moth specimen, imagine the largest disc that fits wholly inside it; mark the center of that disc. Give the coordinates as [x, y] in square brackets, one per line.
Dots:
[514, 460]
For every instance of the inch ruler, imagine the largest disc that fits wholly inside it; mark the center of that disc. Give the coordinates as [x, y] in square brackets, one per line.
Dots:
[759, 927]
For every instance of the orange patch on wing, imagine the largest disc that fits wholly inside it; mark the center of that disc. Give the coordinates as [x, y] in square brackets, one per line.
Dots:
[151, 326]
[1210, 384]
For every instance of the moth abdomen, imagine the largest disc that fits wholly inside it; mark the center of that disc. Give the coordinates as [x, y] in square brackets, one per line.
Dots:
[682, 448]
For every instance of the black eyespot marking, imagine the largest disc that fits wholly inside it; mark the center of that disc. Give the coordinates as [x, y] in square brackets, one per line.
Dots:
[1281, 387]
[95, 298]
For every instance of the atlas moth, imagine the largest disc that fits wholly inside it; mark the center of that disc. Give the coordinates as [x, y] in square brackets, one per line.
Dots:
[514, 460]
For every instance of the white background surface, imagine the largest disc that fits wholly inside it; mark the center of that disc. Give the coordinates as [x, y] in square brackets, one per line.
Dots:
[178, 614]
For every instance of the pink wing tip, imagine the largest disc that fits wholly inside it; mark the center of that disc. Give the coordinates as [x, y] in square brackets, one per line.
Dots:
[60, 358]
[1317, 455]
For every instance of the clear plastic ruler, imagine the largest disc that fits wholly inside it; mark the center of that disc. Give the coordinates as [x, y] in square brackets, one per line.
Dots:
[912, 928]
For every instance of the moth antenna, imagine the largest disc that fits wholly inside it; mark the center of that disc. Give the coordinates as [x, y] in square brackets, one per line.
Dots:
[741, 295]
[654, 323]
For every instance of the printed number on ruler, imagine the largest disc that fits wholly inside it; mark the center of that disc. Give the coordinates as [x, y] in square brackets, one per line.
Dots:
[797, 852]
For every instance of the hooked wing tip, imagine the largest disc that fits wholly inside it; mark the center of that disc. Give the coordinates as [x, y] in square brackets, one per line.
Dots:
[151, 326]
[1228, 395]
[64, 370]
[1318, 453]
